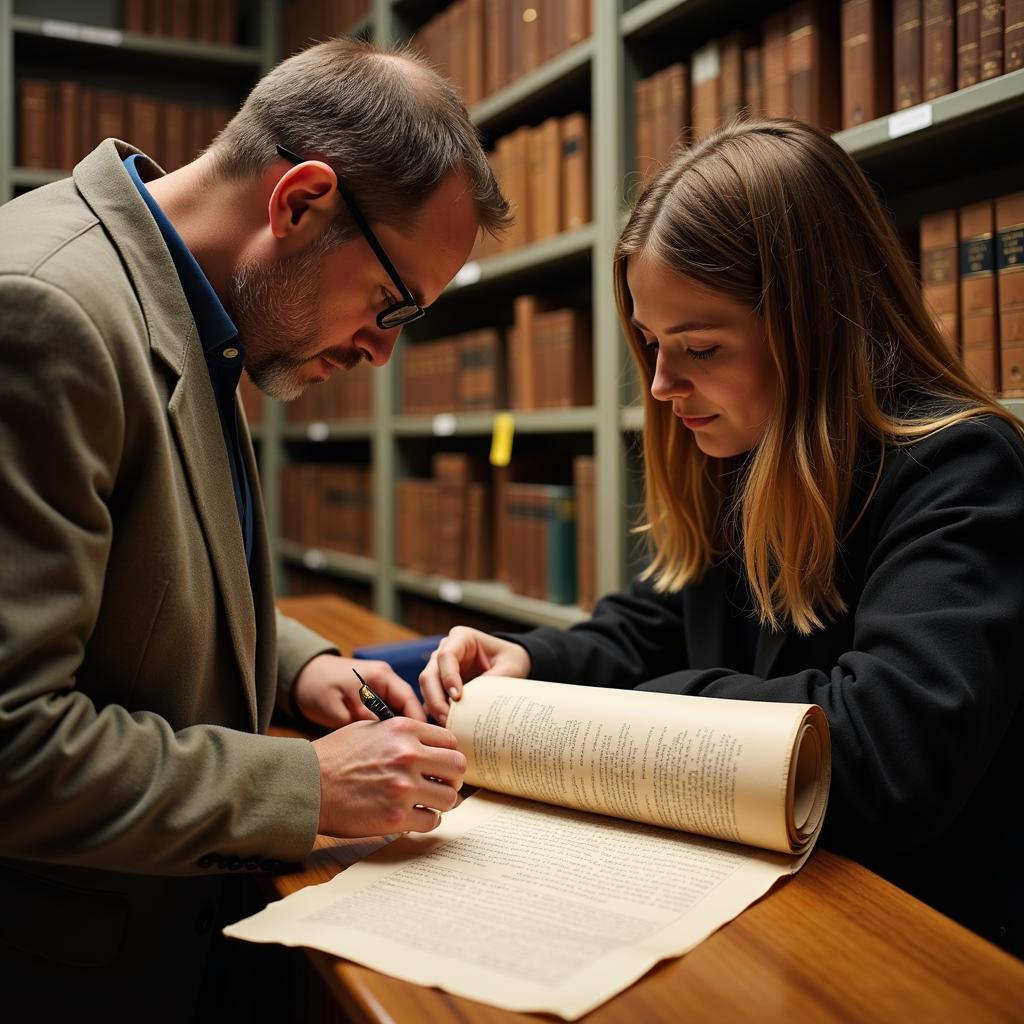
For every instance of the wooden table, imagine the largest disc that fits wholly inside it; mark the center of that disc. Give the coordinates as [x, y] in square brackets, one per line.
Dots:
[835, 942]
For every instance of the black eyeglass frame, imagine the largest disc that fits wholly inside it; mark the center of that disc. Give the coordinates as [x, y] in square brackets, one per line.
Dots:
[398, 313]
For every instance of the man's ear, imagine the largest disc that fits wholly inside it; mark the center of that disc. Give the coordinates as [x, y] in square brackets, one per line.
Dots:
[304, 201]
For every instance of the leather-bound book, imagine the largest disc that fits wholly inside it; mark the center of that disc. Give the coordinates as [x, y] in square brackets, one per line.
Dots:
[676, 108]
[730, 76]
[907, 53]
[225, 25]
[35, 123]
[706, 68]
[111, 114]
[643, 102]
[67, 124]
[1013, 35]
[144, 124]
[133, 15]
[179, 19]
[583, 472]
[991, 39]
[866, 29]
[514, 34]
[172, 150]
[1010, 290]
[473, 87]
[496, 45]
[968, 42]
[814, 65]
[578, 20]
[574, 140]
[530, 15]
[775, 63]
[545, 181]
[753, 81]
[940, 273]
[979, 322]
[939, 69]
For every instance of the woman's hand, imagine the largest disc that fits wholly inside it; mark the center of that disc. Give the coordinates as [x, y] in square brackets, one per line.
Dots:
[462, 655]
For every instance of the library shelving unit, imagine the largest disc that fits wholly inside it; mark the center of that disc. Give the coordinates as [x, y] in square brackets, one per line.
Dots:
[960, 148]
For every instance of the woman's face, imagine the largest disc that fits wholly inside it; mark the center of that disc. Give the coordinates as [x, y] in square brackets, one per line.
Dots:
[710, 357]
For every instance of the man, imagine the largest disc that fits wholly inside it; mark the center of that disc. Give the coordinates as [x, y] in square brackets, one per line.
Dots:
[139, 653]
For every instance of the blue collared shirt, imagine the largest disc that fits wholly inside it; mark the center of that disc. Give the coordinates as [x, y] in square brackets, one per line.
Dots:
[223, 350]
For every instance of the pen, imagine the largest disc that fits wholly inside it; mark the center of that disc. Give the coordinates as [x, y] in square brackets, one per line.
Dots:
[372, 701]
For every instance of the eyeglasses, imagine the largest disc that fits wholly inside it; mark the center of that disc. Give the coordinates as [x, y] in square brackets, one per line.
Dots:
[407, 308]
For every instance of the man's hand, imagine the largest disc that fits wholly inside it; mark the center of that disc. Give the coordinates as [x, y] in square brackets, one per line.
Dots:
[327, 691]
[462, 655]
[384, 777]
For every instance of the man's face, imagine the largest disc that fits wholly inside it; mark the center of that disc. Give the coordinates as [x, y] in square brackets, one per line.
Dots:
[303, 317]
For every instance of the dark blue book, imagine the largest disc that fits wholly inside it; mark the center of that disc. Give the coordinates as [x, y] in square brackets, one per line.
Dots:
[408, 658]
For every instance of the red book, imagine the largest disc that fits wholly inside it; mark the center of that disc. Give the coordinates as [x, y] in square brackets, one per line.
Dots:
[968, 42]
[866, 60]
[939, 48]
[991, 39]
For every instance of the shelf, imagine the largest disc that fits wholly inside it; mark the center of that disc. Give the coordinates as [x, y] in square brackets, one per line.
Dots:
[328, 430]
[32, 177]
[545, 255]
[332, 563]
[633, 418]
[490, 597]
[509, 103]
[481, 424]
[135, 42]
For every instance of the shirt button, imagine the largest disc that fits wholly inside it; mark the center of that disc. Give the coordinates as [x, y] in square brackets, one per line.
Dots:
[230, 353]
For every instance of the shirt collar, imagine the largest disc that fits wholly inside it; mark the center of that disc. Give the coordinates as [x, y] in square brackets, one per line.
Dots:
[212, 321]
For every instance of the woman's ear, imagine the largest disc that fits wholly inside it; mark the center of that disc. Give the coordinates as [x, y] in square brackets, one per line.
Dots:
[303, 201]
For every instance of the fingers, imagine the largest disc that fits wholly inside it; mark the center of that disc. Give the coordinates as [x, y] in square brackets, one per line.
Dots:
[391, 688]
[422, 819]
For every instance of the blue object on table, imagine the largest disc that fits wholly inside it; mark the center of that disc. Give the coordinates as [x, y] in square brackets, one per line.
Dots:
[408, 658]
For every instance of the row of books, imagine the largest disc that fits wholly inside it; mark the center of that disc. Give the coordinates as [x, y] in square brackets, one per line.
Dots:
[830, 65]
[545, 174]
[345, 395]
[304, 22]
[484, 45]
[201, 20]
[59, 122]
[328, 506]
[546, 364]
[470, 521]
[972, 273]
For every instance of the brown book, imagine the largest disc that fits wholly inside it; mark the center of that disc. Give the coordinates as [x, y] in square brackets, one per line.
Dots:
[496, 45]
[730, 79]
[158, 17]
[35, 123]
[753, 87]
[1013, 35]
[179, 19]
[452, 472]
[940, 273]
[991, 39]
[583, 471]
[979, 323]
[530, 15]
[939, 69]
[521, 352]
[111, 114]
[866, 60]
[195, 131]
[478, 559]
[705, 69]
[661, 134]
[578, 20]
[574, 172]
[457, 55]
[968, 42]
[775, 63]
[643, 101]
[204, 25]
[676, 109]
[563, 374]
[67, 124]
[473, 86]
[907, 53]
[133, 15]
[87, 134]
[513, 151]
[1010, 289]
[514, 35]
[813, 56]
[144, 124]
[554, 30]
[546, 196]
[225, 25]
[172, 150]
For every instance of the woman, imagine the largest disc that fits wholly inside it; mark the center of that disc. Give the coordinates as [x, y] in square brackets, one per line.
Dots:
[835, 513]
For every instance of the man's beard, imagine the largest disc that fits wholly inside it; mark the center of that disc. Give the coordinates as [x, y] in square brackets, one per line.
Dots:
[277, 311]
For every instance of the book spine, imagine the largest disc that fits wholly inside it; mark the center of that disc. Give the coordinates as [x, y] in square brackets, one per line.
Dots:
[907, 53]
[940, 273]
[706, 67]
[473, 88]
[561, 544]
[730, 82]
[575, 171]
[643, 158]
[586, 549]
[978, 318]
[1013, 35]
[968, 42]
[35, 121]
[1010, 288]
[991, 39]
[776, 66]
[939, 48]
[496, 40]
[578, 21]
[753, 90]
[677, 106]
[67, 115]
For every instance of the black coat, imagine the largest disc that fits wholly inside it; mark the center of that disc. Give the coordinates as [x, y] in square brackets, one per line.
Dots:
[921, 677]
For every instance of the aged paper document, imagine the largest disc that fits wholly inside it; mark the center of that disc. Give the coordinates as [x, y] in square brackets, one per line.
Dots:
[558, 905]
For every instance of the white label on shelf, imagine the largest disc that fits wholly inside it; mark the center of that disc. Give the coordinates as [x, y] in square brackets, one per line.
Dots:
[82, 33]
[318, 431]
[314, 558]
[450, 591]
[469, 274]
[913, 119]
[443, 425]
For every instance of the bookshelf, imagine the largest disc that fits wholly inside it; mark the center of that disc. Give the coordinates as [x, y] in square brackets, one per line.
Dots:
[957, 149]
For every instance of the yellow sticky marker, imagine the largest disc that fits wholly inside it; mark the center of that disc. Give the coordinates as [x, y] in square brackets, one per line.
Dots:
[501, 440]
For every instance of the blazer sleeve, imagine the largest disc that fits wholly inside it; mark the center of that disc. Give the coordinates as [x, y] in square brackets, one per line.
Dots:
[296, 645]
[920, 701]
[79, 783]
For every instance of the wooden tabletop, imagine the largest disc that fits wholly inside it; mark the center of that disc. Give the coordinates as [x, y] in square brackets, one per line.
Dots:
[835, 942]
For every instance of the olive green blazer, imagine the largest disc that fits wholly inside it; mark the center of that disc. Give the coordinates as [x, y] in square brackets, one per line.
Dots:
[137, 663]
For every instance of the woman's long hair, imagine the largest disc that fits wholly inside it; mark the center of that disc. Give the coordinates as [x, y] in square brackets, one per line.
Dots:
[776, 215]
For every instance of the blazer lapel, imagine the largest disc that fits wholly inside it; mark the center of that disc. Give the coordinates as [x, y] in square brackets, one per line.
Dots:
[105, 185]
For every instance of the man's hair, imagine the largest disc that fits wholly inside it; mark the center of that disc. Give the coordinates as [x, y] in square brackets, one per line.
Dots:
[389, 126]
[776, 215]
